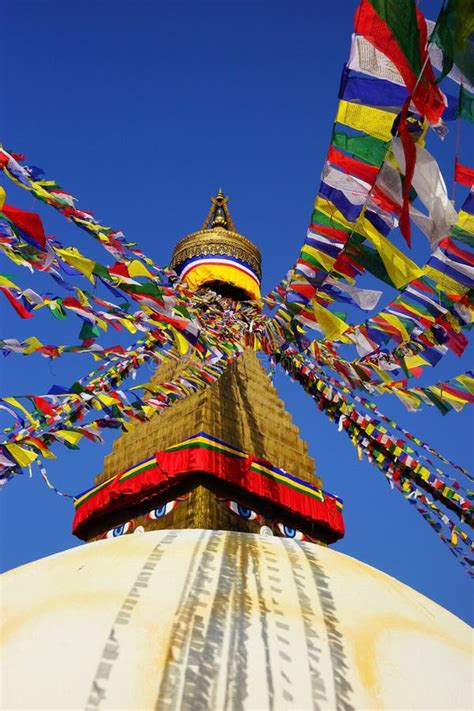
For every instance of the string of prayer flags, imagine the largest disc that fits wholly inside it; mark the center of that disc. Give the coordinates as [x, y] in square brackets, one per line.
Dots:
[49, 192]
[380, 448]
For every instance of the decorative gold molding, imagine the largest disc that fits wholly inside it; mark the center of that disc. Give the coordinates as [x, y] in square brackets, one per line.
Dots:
[217, 241]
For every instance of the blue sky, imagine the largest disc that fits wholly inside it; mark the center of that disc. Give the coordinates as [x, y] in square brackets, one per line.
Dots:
[142, 110]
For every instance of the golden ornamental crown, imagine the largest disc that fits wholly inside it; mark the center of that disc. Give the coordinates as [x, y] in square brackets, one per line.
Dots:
[217, 236]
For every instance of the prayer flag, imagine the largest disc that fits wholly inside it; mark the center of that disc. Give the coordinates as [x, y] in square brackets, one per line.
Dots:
[366, 59]
[367, 148]
[463, 174]
[29, 224]
[466, 105]
[368, 173]
[375, 122]
[453, 34]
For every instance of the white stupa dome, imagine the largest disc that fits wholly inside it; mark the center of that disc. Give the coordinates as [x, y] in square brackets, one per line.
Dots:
[198, 620]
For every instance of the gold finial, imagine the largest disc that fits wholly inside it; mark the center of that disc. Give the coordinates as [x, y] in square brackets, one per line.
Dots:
[219, 215]
[219, 220]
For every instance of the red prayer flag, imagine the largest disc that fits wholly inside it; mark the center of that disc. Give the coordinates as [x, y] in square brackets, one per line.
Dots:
[463, 174]
[384, 201]
[17, 305]
[331, 232]
[119, 269]
[43, 405]
[349, 165]
[28, 222]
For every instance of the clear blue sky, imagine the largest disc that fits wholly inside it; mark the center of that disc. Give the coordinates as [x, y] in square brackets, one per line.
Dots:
[142, 110]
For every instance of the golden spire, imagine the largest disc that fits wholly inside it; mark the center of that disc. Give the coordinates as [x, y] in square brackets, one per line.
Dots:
[219, 215]
[218, 256]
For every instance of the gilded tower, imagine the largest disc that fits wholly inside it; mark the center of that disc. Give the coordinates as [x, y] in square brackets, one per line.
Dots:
[227, 457]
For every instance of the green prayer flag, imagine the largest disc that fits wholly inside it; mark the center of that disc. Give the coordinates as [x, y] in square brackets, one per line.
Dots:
[89, 330]
[466, 105]
[440, 404]
[320, 218]
[371, 150]
[453, 35]
[367, 257]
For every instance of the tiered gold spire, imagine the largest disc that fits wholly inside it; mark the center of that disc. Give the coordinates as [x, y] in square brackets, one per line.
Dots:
[242, 408]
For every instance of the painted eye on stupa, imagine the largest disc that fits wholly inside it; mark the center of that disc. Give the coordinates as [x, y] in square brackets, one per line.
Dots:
[242, 511]
[163, 510]
[290, 532]
[119, 530]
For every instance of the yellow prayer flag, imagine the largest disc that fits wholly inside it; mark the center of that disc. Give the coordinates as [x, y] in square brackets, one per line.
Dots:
[400, 268]
[324, 260]
[45, 452]
[6, 282]
[182, 345]
[445, 283]
[396, 323]
[33, 345]
[443, 395]
[257, 346]
[415, 361]
[39, 191]
[82, 298]
[13, 401]
[467, 381]
[330, 210]
[74, 258]
[21, 455]
[14, 257]
[69, 436]
[3, 196]
[466, 221]
[127, 324]
[332, 326]
[373, 121]
[106, 399]
[410, 401]
[136, 268]
[102, 323]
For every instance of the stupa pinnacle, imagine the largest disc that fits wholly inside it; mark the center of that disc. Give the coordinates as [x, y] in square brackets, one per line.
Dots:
[226, 457]
[218, 257]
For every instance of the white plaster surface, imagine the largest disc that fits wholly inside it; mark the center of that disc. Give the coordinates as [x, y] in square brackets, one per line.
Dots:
[201, 620]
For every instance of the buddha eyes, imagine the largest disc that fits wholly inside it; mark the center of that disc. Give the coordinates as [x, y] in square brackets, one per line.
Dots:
[154, 515]
[119, 530]
[242, 511]
[251, 515]
[289, 532]
[163, 510]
